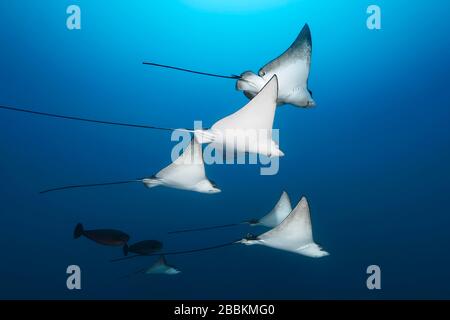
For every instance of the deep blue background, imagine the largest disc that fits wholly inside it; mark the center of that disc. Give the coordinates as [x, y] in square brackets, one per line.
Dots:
[373, 157]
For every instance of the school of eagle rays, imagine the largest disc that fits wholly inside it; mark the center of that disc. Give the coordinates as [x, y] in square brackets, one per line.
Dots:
[283, 80]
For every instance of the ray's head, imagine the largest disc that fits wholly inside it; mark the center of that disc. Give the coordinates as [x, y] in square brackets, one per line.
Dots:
[253, 222]
[250, 83]
[303, 99]
[249, 240]
[311, 102]
[172, 271]
[207, 186]
[275, 151]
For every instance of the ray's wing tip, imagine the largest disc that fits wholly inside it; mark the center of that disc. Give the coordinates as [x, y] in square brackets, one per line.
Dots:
[305, 34]
[306, 29]
[322, 253]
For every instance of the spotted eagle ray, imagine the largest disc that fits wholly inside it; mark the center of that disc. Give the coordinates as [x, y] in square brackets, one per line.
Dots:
[187, 172]
[272, 219]
[248, 130]
[293, 234]
[162, 267]
[292, 68]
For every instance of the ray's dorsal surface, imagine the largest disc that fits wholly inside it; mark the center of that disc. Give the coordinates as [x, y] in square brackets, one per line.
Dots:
[294, 234]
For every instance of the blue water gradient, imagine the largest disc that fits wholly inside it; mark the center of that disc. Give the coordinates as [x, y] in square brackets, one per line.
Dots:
[373, 157]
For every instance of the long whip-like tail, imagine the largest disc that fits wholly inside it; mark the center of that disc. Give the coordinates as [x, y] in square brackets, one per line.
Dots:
[233, 76]
[90, 185]
[178, 252]
[131, 257]
[122, 124]
[206, 228]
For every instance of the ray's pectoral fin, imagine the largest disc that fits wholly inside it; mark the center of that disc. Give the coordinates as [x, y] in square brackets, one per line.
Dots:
[281, 210]
[187, 172]
[258, 114]
[250, 128]
[292, 68]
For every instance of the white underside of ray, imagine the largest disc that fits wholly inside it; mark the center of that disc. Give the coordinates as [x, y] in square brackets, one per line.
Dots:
[161, 267]
[187, 172]
[292, 79]
[250, 128]
[294, 234]
[278, 213]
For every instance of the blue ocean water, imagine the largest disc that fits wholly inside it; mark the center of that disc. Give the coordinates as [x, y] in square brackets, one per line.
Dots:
[373, 157]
